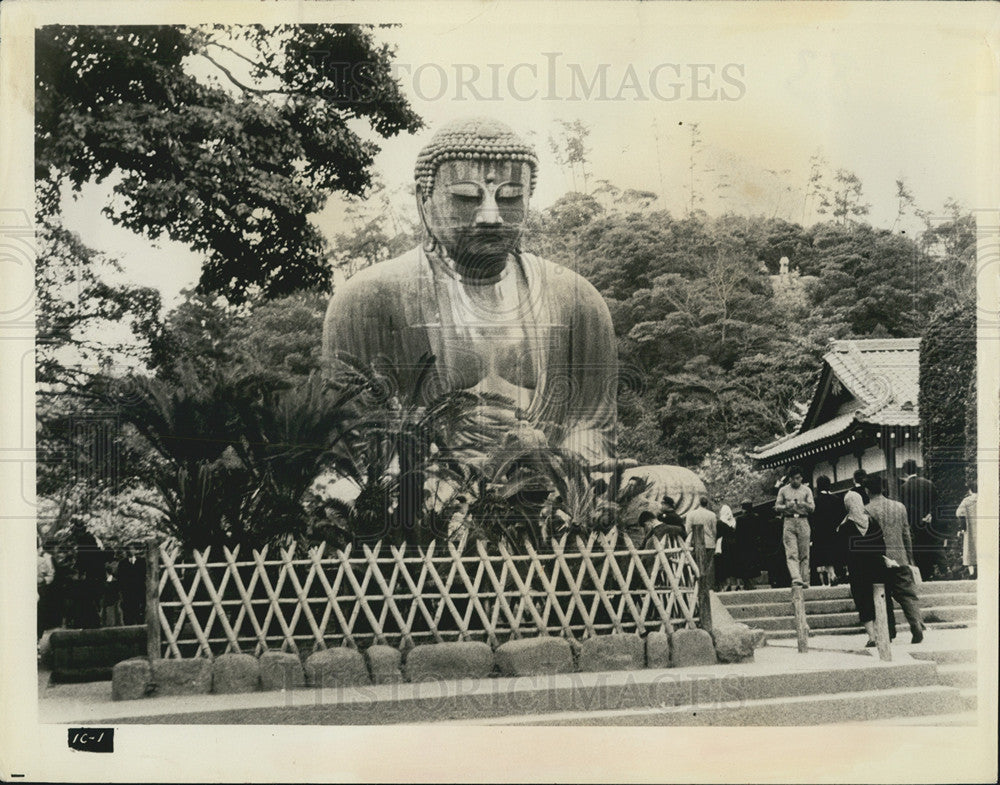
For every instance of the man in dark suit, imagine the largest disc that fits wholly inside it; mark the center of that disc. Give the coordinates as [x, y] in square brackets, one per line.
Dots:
[132, 585]
[88, 575]
[919, 498]
[891, 517]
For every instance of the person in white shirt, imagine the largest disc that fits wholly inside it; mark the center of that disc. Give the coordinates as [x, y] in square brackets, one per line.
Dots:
[703, 515]
[725, 549]
[795, 504]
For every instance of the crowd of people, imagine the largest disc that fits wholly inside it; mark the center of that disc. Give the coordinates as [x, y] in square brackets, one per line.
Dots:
[81, 584]
[861, 537]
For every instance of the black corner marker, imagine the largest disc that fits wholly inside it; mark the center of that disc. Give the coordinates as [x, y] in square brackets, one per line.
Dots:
[92, 739]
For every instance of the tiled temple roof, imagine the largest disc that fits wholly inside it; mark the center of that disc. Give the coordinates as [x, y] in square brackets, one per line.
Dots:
[883, 376]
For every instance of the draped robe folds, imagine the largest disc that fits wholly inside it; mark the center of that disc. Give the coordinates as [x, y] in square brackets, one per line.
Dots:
[541, 336]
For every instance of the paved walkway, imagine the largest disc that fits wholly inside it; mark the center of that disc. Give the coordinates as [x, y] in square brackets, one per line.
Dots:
[934, 640]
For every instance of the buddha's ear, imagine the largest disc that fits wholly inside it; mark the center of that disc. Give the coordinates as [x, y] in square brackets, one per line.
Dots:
[420, 207]
[430, 241]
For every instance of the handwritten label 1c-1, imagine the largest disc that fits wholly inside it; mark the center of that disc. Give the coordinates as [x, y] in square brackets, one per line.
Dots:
[92, 739]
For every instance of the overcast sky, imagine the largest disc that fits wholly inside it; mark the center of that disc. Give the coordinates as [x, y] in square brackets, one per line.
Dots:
[887, 92]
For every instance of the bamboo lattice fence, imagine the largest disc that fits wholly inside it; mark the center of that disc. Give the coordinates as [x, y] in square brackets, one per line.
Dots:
[391, 595]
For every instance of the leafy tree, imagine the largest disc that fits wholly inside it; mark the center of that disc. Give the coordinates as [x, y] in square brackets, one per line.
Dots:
[75, 306]
[906, 203]
[369, 244]
[569, 148]
[817, 191]
[847, 200]
[947, 383]
[197, 336]
[730, 478]
[86, 327]
[282, 336]
[950, 252]
[279, 338]
[871, 282]
[231, 164]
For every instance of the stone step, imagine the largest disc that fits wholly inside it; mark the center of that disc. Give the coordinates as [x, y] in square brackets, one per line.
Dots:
[945, 656]
[960, 674]
[800, 710]
[969, 697]
[752, 596]
[845, 605]
[858, 629]
[841, 591]
[829, 620]
[773, 676]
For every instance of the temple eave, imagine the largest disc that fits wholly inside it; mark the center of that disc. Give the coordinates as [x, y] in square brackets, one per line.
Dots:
[838, 443]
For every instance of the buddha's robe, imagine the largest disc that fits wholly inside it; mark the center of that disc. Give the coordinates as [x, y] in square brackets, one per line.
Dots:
[541, 336]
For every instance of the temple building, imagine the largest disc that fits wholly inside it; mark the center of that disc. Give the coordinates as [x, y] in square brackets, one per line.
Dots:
[863, 415]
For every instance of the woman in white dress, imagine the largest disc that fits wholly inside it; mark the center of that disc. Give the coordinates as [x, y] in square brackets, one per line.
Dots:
[966, 514]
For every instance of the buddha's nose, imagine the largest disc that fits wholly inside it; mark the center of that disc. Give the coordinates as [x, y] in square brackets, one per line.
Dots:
[488, 213]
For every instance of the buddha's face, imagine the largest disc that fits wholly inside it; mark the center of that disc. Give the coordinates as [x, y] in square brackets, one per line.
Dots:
[477, 211]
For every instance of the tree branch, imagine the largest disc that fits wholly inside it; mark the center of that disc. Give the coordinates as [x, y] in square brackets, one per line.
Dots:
[238, 83]
[254, 63]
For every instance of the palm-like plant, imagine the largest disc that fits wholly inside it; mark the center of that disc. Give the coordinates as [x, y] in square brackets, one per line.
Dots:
[513, 492]
[235, 452]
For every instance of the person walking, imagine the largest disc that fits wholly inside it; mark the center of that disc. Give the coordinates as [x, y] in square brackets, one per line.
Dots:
[795, 504]
[920, 499]
[966, 515]
[899, 583]
[825, 520]
[702, 514]
[865, 562]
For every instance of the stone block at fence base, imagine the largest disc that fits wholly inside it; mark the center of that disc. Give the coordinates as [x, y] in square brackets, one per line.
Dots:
[131, 679]
[534, 657]
[384, 664]
[735, 642]
[462, 660]
[658, 650]
[691, 647]
[612, 653]
[280, 670]
[340, 667]
[235, 673]
[181, 677]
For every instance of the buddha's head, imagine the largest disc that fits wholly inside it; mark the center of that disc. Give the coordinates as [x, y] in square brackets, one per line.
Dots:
[473, 181]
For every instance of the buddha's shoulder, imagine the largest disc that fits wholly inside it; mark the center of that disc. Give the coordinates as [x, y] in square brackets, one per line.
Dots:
[560, 279]
[381, 278]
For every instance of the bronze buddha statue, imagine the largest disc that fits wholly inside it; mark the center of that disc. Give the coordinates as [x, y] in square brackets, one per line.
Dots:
[496, 319]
